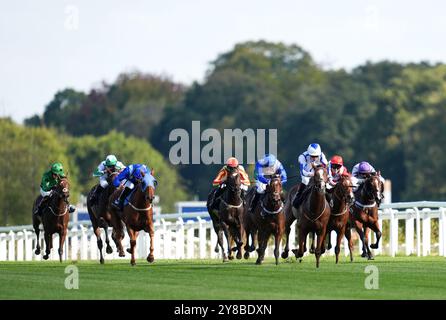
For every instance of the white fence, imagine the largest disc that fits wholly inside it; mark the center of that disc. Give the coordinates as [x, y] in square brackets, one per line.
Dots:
[177, 239]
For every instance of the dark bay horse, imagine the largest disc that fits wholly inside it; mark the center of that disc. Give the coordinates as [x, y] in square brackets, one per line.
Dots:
[314, 213]
[101, 217]
[230, 215]
[342, 199]
[267, 219]
[55, 217]
[138, 214]
[365, 213]
[290, 216]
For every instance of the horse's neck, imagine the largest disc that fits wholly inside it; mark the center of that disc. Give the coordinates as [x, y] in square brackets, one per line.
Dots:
[317, 201]
[269, 203]
[338, 202]
[364, 196]
[232, 197]
[137, 197]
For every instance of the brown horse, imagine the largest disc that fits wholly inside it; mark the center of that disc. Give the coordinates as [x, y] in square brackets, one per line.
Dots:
[342, 198]
[230, 213]
[138, 214]
[365, 213]
[315, 213]
[55, 217]
[267, 218]
[218, 227]
[101, 217]
[290, 216]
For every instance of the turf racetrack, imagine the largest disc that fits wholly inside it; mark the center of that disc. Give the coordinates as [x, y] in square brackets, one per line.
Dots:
[399, 278]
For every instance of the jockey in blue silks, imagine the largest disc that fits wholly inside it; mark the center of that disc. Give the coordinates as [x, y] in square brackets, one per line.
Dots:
[133, 174]
[265, 168]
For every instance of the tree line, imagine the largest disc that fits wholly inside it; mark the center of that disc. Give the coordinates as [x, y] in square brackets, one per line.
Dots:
[388, 113]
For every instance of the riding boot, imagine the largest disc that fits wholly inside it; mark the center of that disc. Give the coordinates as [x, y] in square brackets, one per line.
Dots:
[38, 211]
[298, 198]
[119, 203]
[254, 201]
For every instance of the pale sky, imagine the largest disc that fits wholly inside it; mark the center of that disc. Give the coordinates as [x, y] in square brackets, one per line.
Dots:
[46, 46]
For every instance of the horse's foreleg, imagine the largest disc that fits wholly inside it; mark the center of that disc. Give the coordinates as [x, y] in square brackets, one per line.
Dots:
[132, 235]
[47, 238]
[288, 223]
[320, 242]
[62, 237]
[340, 236]
[360, 230]
[302, 238]
[378, 234]
[37, 231]
[151, 257]
[240, 235]
[104, 225]
[220, 235]
[277, 240]
[312, 236]
[366, 243]
[348, 235]
[263, 241]
[97, 233]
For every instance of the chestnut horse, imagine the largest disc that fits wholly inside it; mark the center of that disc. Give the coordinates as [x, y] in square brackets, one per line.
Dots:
[365, 213]
[138, 214]
[342, 198]
[230, 214]
[314, 213]
[55, 217]
[101, 217]
[267, 218]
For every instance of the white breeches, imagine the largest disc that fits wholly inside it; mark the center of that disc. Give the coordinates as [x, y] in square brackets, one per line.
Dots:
[129, 184]
[260, 187]
[45, 193]
[103, 181]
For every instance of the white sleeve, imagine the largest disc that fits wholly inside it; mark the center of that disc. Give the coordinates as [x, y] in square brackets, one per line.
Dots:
[303, 167]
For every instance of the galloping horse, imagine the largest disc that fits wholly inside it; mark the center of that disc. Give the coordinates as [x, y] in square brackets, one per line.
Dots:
[339, 219]
[315, 213]
[267, 218]
[101, 217]
[230, 214]
[138, 214]
[55, 217]
[365, 213]
[290, 216]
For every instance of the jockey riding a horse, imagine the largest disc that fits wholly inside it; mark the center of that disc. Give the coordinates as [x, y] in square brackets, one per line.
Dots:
[105, 168]
[336, 170]
[308, 160]
[50, 180]
[133, 174]
[361, 171]
[232, 164]
[266, 168]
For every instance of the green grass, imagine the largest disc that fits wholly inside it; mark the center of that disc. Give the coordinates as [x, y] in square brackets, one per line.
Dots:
[399, 278]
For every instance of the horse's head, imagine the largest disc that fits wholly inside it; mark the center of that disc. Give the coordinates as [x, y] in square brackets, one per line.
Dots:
[319, 180]
[148, 185]
[344, 189]
[274, 188]
[372, 188]
[62, 190]
[233, 180]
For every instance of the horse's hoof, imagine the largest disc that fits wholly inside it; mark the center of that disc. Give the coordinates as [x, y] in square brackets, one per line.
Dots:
[246, 255]
[295, 252]
[300, 260]
[122, 254]
[329, 247]
[129, 251]
[311, 250]
[109, 250]
[225, 259]
[234, 249]
[231, 257]
[239, 255]
[101, 261]
[45, 257]
[133, 263]
[150, 259]
[37, 251]
[252, 248]
[277, 262]
[284, 255]
[374, 246]
[259, 262]
[216, 250]
[371, 258]
[363, 255]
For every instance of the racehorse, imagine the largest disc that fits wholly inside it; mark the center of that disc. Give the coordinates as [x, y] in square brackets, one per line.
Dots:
[218, 228]
[342, 198]
[230, 214]
[315, 213]
[267, 218]
[138, 214]
[55, 217]
[101, 217]
[365, 213]
[290, 216]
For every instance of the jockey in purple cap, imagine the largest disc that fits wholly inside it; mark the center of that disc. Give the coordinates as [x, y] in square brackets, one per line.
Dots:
[362, 171]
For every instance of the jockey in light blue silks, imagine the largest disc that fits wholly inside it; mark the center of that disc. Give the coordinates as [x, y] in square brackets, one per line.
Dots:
[307, 162]
[133, 174]
[264, 170]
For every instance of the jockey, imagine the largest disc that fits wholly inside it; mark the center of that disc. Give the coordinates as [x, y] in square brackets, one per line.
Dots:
[336, 169]
[50, 180]
[362, 171]
[307, 162]
[264, 170]
[104, 169]
[219, 181]
[133, 174]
